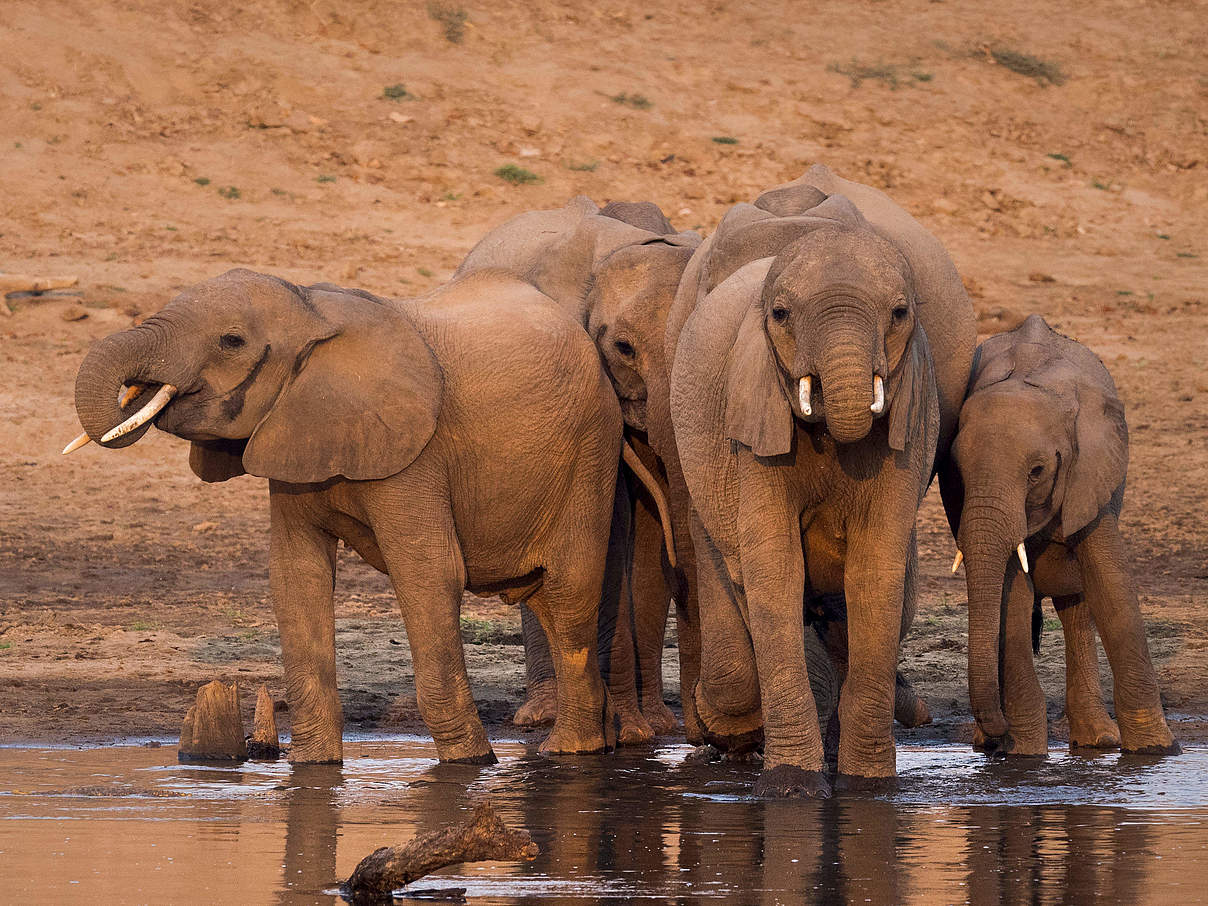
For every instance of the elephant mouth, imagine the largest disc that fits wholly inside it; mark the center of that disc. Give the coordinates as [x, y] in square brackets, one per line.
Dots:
[163, 394]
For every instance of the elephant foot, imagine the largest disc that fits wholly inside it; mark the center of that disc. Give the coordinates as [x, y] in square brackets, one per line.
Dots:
[487, 758]
[1146, 733]
[1009, 745]
[787, 781]
[1098, 732]
[858, 783]
[909, 709]
[729, 732]
[633, 730]
[661, 718]
[568, 741]
[705, 754]
[304, 751]
[540, 707]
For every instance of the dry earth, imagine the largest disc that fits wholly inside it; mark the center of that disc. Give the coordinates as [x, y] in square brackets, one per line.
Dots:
[1061, 152]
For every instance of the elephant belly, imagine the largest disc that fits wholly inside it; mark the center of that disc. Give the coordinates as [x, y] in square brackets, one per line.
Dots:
[1056, 572]
[825, 547]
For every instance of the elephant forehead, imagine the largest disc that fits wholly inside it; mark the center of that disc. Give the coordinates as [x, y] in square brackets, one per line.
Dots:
[852, 257]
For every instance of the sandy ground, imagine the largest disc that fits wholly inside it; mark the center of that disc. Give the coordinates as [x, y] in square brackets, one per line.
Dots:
[147, 145]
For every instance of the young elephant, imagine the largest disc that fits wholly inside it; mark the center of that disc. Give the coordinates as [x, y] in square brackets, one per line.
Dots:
[806, 414]
[424, 434]
[1041, 455]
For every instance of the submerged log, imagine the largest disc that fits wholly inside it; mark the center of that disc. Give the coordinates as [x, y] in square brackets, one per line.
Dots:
[212, 729]
[264, 743]
[484, 838]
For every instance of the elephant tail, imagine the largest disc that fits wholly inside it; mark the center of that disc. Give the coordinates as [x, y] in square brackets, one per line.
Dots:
[631, 459]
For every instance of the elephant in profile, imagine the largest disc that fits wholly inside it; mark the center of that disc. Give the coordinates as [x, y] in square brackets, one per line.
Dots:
[1040, 460]
[616, 270]
[421, 433]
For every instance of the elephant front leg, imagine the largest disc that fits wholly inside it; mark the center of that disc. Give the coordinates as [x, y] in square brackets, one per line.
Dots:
[1023, 701]
[302, 562]
[651, 602]
[1090, 725]
[1113, 602]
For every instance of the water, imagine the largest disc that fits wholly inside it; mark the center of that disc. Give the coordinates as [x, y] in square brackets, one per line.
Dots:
[129, 824]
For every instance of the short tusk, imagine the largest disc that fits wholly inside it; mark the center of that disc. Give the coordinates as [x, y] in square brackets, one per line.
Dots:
[803, 394]
[956, 563]
[1023, 556]
[83, 440]
[162, 397]
[878, 395]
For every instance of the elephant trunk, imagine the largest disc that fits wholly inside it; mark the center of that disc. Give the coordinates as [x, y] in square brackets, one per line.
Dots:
[989, 533]
[129, 357]
[847, 370]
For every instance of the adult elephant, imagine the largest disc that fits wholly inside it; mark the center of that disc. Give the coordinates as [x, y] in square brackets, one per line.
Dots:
[616, 271]
[414, 432]
[1040, 461]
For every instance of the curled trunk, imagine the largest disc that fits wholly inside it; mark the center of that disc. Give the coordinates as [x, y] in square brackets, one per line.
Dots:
[846, 375]
[122, 358]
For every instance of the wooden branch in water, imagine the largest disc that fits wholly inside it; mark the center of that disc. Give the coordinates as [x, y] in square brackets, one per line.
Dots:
[213, 729]
[264, 742]
[484, 838]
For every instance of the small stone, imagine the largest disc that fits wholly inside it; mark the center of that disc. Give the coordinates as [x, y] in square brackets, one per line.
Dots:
[944, 206]
[73, 313]
[203, 527]
[1038, 277]
[400, 118]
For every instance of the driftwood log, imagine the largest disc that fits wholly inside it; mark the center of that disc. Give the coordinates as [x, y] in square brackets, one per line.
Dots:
[213, 729]
[264, 743]
[23, 283]
[484, 838]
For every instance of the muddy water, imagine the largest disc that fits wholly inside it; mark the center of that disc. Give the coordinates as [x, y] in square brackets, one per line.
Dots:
[128, 824]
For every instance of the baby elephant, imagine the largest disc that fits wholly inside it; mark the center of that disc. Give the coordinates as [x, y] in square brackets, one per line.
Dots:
[430, 436]
[1041, 454]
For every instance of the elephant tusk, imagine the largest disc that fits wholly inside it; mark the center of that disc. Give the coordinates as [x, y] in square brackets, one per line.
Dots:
[162, 397]
[956, 563]
[1023, 556]
[878, 395]
[803, 395]
[83, 440]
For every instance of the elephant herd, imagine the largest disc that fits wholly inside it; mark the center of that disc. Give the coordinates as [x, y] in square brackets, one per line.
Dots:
[599, 415]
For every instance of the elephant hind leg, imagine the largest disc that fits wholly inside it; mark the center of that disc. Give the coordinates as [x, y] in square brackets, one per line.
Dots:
[651, 603]
[541, 693]
[1090, 725]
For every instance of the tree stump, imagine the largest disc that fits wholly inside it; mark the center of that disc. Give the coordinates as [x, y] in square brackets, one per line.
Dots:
[213, 730]
[484, 838]
[264, 743]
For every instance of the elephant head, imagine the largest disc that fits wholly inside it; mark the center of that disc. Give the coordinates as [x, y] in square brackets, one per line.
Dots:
[834, 337]
[298, 384]
[1041, 449]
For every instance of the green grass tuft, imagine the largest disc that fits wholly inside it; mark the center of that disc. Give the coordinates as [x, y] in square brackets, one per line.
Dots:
[452, 20]
[1025, 64]
[892, 75]
[725, 140]
[202, 180]
[325, 178]
[517, 176]
[230, 192]
[396, 92]
[423, 272]
[586, 167]
[636, 101]
[1061, 157]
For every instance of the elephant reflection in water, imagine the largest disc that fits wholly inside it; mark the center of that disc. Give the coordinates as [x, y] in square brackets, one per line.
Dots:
[311, 831]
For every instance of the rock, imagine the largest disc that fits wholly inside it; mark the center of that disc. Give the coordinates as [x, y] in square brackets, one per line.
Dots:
[264, 743]
[212, 729]
[944, 206]
[73, 313]
[202, 527]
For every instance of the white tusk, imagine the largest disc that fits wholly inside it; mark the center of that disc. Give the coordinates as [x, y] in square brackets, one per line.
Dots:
[1023, 556]
[878, 395]
[162, 397]
[803, 393]
[82, 440]
[956, 563]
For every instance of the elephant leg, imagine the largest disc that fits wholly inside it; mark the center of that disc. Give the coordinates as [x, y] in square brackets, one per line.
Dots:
[541, 692]
[428, 574]
[727, 691]
[1090, 725]
[684, 584]
[1023, 701]
[909, 708]
[302, 568]
[1113, 602]
[615, 624]
[651, 601]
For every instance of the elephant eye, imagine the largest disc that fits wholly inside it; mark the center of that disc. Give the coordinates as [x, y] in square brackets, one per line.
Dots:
[624, 348]
[231, 341]
[780, 314]
[1036, 472]
[900, 312]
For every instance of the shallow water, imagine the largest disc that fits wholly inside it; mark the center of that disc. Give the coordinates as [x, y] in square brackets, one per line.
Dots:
[129, 824]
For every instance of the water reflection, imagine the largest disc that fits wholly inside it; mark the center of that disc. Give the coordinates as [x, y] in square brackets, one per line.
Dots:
[126, 824]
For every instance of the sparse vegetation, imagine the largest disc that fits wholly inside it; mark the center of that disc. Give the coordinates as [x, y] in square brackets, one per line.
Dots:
[231, 192]
[278, 191]
[517, 176]
[452, 20]
[202, 180]
[1025, 64]
[585, 167]
[636, 101]
[484, 632]
[323, 177]
[396, 92]
[423, 272]
[1100, 185]
[892, 75]
[1061, 157]
[141, 626]
[1186, 255]
[4, 646]
[1051, 623]
[725, 140]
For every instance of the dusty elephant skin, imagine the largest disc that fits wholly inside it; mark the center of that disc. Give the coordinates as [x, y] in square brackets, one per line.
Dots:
[807, 410]
[616, 270]
[1041, 457]
[415, 433]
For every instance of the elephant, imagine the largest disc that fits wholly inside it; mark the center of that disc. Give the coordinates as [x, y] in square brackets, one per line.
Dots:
[1040, 460]
[806, 413]
[426, 436]
[616, 270]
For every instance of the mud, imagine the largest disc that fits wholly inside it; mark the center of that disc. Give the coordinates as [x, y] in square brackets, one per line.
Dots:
[130, 824]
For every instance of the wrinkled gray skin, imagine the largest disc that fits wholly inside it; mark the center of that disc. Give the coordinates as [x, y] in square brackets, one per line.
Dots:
[413, 432]
[843, 485]
[1040, 457]
[616, 270]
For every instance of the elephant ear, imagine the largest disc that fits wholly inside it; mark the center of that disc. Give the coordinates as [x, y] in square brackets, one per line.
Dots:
[363, 402]
[912, 392]
[217, 460]
[1100, 460]
[758, 413]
